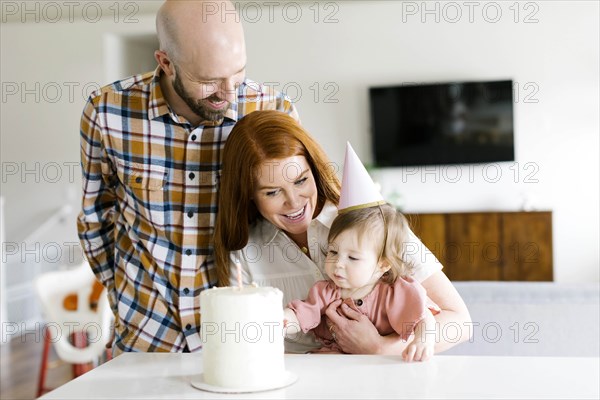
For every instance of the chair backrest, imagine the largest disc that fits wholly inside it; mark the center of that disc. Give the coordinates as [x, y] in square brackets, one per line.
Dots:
[52, 288]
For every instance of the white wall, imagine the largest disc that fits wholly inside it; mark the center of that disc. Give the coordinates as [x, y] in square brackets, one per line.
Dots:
[372, 43]
[48, 69]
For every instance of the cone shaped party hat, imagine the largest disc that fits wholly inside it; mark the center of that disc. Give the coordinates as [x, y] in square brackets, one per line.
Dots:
[358, 189]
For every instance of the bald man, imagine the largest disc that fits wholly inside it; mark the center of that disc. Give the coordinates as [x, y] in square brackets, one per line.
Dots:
[151, 157]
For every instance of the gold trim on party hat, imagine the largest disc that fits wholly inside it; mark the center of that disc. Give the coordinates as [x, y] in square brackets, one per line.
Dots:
[358, 189]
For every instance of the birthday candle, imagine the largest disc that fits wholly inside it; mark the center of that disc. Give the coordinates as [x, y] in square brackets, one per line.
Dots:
[239, 274]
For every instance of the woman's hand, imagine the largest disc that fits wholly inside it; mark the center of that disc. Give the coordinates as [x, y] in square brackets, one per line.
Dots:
[356, 334]
[353, 331]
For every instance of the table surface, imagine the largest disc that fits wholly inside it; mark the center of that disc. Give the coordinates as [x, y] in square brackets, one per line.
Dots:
[168, 376]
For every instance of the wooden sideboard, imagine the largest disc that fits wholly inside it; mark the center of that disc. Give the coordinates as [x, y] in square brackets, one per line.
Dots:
[489, 246]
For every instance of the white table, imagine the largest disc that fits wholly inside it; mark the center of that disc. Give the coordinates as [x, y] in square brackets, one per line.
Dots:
[168, 376]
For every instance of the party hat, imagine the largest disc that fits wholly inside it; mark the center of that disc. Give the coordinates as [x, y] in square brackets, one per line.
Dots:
[358, 189]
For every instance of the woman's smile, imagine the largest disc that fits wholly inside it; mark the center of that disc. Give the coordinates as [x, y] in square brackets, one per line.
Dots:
[296, 216]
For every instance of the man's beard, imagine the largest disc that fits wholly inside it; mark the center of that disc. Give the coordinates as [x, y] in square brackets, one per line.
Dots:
[197, 106]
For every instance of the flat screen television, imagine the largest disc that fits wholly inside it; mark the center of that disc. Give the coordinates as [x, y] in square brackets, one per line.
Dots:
[442, 123]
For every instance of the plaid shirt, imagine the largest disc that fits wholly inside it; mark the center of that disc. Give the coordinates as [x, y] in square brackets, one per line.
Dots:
[150, 182]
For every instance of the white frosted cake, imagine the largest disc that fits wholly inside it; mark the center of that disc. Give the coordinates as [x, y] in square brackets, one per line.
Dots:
[242, 336]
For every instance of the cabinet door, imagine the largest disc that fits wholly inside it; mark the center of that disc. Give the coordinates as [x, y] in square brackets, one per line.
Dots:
[431, 229]
[473, 248]
[527, 246]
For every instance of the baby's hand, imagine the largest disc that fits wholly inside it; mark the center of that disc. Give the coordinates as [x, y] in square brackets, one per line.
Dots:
[418, 350]
[422, 346]
[290, 323]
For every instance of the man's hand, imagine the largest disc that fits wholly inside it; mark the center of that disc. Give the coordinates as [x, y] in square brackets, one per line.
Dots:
[109, 344]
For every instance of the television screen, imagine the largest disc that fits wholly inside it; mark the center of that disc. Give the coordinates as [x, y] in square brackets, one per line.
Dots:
[446, 123]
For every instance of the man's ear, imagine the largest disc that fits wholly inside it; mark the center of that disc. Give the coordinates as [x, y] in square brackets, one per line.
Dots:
[165, 62]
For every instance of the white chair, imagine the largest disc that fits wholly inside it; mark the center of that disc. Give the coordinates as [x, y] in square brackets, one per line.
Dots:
[64, 326]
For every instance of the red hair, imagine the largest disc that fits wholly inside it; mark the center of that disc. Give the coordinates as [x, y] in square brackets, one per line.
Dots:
[258, 137]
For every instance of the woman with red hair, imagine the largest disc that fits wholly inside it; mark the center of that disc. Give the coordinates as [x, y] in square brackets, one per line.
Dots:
[277, 199]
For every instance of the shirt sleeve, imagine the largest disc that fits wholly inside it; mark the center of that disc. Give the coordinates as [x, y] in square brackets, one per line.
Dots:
[406, 304]
[285, 104]
[424, 261]
[95, 223]
[309, 311]
[432, 306]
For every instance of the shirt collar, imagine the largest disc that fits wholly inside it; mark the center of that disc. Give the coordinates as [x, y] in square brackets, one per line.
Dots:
[327, 214]
[158, 105]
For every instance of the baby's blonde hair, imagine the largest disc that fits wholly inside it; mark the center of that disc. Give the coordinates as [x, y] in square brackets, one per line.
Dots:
[369, 223]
